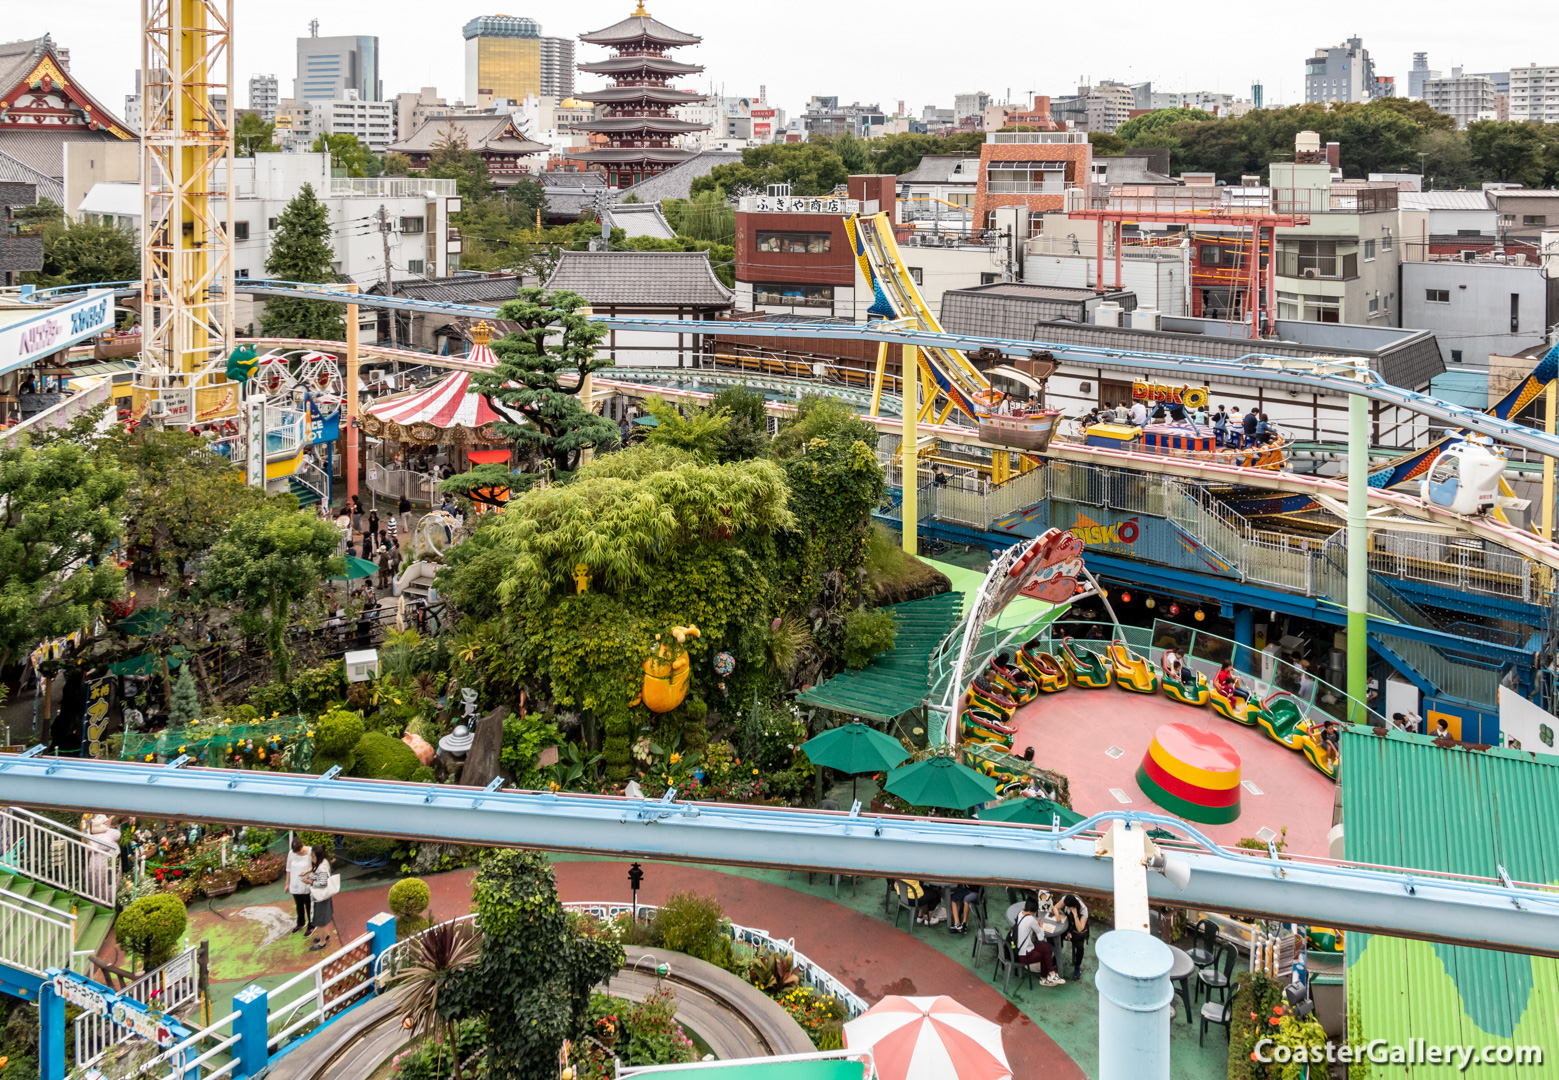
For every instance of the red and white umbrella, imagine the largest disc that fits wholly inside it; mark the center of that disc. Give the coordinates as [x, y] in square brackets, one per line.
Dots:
[448, 403]
[929, 1038]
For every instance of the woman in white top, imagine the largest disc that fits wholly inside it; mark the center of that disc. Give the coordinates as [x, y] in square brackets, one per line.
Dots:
[324, 913]
[299, 863]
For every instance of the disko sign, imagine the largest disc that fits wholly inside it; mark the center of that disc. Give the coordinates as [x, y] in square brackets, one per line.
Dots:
[55, 328]
[1192, 397]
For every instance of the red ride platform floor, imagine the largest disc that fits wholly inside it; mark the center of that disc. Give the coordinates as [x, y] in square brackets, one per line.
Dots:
[1072, 731]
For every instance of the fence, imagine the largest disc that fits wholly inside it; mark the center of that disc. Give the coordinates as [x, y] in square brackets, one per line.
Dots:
[57, 855]
[810, 973]
[33, 936]
[329, 987]
[170, 987]
[389, 482]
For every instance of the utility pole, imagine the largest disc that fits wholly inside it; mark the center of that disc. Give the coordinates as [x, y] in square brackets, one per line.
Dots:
[389, 287]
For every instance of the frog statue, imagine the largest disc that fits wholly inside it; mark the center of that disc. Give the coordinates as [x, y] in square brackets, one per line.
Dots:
[666, 672]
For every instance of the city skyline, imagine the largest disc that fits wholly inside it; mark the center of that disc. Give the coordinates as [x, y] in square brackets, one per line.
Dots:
[798, 58]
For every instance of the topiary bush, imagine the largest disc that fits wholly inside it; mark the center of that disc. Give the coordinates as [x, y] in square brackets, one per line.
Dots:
[337, 732]
[615, 742]
[378, 756]
[150, 928]
[409, 898]
[423, 775]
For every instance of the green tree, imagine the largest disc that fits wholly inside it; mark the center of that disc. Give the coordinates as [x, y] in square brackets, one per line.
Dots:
[526, 200]
[301, 250]
[345, 152]
[1158, 120]
[527, 378]
[396, 165]
[708, 215]
[722, 257]
[267, 564]
[60, 507]
[81, 252]
[747, 436]
[810, 168]
[699, 433]
[1448, 164]
[252, 136]
[1106, 144]
[1508, 152]
[453, 159]
[185, 707]
[534, 977]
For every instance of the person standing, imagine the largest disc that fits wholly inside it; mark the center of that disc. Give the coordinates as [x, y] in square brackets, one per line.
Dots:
[373, 521]
[404, 509]
[384, 568]
[299, 864]
[322, 898]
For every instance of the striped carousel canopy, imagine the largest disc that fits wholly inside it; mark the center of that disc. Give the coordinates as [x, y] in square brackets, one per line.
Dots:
[449, 403]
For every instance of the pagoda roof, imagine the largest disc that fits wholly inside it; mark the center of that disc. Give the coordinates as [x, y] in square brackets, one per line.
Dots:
[609, 156]
[639, 27]
[656, 95]
[615, 124]
[623, 65]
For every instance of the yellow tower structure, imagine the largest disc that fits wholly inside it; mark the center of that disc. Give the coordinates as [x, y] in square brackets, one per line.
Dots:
[186, 254]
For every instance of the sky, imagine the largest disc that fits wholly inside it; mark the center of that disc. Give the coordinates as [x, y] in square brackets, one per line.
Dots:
[918, 51]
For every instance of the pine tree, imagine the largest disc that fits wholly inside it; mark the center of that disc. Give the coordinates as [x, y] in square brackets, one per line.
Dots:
[185, 706]
[301, 251]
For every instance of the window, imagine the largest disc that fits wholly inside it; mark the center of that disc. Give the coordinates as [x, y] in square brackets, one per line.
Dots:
[987, 279]
[1212, 255]
[240, 230]
[964, 199]
[794, 295]
[916, 274]
[1437, 296]
[1311, 258]
[1374, 305]
[1515, 313]
[1385, 241]
[270, 224]
[795, 243]
[240, 273]
[1369, 251]
[1456, 356]
[414, 266]
[1534, 219]
[411, 224]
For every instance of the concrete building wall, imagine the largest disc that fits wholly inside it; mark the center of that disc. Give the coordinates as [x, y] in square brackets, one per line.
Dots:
[1476, 308]
[1159, 281]
[89, 163]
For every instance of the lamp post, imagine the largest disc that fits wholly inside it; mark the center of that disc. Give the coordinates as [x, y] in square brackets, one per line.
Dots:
[635, 876]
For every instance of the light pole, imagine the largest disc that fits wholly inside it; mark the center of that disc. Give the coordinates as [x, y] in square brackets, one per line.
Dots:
[635, 876]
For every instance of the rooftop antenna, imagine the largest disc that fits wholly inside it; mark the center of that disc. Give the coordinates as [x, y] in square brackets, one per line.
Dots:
[313, 28]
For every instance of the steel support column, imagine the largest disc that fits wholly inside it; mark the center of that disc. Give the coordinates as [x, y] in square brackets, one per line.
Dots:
[1358, 546]
[1135, 1003]
[1098, 258]
[350, 428]
[909, 458]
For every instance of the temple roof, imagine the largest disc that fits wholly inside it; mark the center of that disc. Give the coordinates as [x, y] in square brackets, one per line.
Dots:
[625, 65]
[653, 279]
[482, 133]
[616, 156]
[639, 27]
[42, 107]
[658, 95]
[614, 124]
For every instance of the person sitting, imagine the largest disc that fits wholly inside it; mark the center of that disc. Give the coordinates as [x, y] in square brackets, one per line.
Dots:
[1033, 950]
[983, 685]
[1177, 412]
[1263, 430]
[1072, 913]
[1228, 683]
[1220, 426]
[1174, 667]
[1002, 665]
[1330, 739]
[926, 903]
[959, 898]
[1249, 424]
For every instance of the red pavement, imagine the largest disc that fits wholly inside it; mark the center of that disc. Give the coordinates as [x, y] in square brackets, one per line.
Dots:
[1071, 732]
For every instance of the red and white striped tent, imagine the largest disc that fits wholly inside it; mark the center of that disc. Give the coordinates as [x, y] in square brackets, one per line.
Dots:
[448, 404]
[481, 354]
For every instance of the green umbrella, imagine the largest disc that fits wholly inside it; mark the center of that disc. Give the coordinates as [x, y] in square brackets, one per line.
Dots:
[941, 782]
[357, 568]
[855, 748]
[1032, 812]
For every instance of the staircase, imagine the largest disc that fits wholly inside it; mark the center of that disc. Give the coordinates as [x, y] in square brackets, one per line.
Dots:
[57, 889]
[307, 497]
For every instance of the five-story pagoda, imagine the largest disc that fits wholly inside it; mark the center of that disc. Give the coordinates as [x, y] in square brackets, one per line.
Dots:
[644, 136]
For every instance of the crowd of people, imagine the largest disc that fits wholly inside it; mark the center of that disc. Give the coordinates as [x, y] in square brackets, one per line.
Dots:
[1233, 430]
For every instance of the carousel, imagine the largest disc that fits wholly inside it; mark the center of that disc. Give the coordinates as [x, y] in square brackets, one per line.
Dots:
[424, 435]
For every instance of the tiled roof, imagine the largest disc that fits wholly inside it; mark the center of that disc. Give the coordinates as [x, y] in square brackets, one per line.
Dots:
[460, 289]
[639, 26]
[481, 133]
[641, 219]
[568, 178]
[19, 172]
[44, 152]
[677, 181]
[657, 279]
[1443, 200]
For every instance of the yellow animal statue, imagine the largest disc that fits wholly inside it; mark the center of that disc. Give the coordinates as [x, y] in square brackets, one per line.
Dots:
[666, 673]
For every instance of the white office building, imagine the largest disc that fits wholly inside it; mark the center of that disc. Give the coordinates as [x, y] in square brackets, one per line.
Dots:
[373, 122]
[1466, 98]
[1534, 94]
[264, 94]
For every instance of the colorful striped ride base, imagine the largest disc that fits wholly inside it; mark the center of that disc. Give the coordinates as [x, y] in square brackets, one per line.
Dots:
[1192, 773]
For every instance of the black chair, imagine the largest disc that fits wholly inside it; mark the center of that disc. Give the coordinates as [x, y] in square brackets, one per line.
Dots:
[1211, 978]
[1183, 988]
[905, 903]
[1007, 962]
[1216, 1012]
[1205, 936]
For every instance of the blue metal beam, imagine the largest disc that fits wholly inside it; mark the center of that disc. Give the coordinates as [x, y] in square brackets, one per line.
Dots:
[1402, 903]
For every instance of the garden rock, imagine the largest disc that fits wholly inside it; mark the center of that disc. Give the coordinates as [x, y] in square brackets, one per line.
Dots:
[481, 767]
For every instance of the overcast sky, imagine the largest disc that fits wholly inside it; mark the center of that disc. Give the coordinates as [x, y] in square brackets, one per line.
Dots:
[917, 51]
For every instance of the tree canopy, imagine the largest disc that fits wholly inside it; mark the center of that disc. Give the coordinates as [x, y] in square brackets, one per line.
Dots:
[346, 152]
[1150, 122]
[81, 252]
[252, 135]
[301, 250]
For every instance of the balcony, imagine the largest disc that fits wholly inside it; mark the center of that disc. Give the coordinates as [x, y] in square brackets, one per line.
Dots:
[392, 187]
[1315, 266]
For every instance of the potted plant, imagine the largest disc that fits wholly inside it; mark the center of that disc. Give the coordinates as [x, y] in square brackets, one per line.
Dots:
[264, 869]
[221, 882]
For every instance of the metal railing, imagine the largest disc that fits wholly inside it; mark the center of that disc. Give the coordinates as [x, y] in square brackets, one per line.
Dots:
[811, 974]
[390, 482]
[311, 476]
[393, 187]
[170, 987]
[1459, 564]
[388, 964]
[57, 855]
[329, 987]
[35, 937]
[180, 1066]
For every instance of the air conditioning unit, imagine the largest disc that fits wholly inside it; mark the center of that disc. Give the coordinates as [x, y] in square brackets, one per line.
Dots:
[156, 407]
[1147, 319]
[1311, 273]
[1107, 313]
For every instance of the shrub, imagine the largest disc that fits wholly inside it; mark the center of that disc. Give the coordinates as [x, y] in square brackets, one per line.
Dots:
[243, 714]
[257, 840]
[423, 775]
[867, 632]
[1254, 997]
[409, 897]
[367, 848]
[380, 756]
[317, 839]
[151, 927]
[337, 733]
[524, 738]
[693, 924]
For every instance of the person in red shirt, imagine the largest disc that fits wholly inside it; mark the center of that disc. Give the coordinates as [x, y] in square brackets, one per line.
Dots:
[1228, 683]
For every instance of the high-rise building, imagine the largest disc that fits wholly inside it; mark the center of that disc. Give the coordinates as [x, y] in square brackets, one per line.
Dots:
[639, 125]
[264, 93]
[970, 104]
[373, 122]
[507, 57]
[1464, 97]
[1534, 94]
[1419, 74]
[328, 66]
[1257, 95]
[1345, 73]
